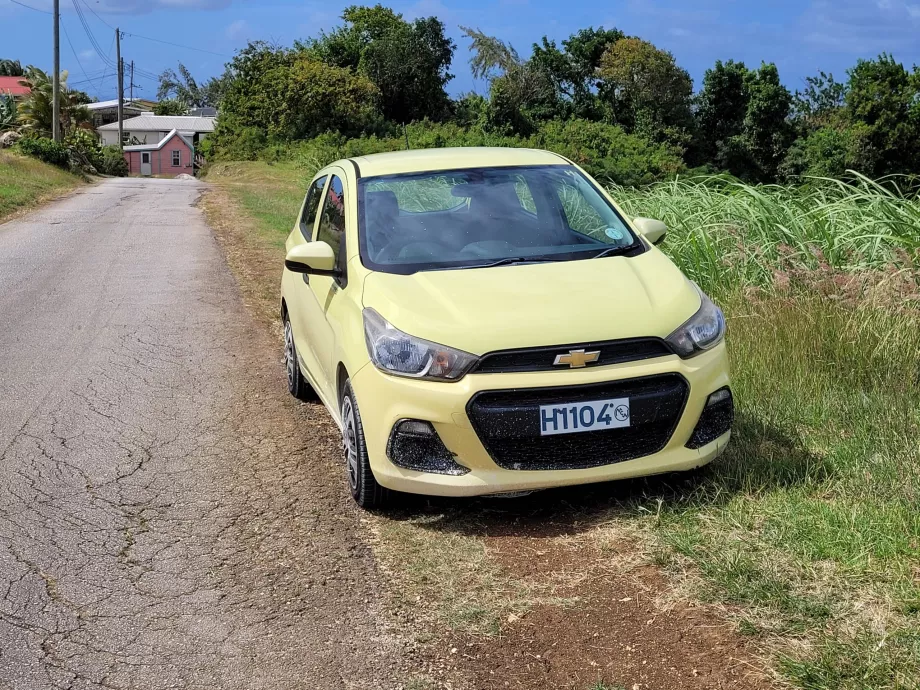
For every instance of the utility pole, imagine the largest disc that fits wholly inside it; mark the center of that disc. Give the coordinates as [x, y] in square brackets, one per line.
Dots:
[132, 81]
[56, 107]
[121, 90]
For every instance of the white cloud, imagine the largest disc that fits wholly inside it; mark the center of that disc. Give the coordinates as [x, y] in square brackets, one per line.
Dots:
[236, 29]
[87, 55]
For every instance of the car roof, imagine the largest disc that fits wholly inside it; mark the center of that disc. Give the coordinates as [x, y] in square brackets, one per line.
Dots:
[421, 160]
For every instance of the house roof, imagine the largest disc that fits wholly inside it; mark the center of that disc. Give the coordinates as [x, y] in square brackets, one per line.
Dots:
[12, 86]
[160, 144]
[102, 105]
[162, 123]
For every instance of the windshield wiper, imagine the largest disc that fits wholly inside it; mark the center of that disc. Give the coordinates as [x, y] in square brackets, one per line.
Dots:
[616, 251]
[507, 261]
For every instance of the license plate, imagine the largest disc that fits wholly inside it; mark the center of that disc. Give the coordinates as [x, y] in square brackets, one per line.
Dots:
[585, 416]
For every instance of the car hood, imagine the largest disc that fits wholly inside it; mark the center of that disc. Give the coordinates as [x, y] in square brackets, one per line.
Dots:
[481, 310]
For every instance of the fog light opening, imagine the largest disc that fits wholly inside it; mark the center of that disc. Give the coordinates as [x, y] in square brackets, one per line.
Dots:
[715, 420]
[415, 445]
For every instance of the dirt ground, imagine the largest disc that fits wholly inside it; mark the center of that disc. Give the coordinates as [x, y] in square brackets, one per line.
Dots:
[620, 627]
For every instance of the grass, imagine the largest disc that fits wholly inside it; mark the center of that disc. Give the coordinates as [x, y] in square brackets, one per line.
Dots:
[271, 193]
[807, 531]
[26, 182]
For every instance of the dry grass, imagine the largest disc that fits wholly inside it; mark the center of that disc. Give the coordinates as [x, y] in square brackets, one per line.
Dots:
[449, 579]
[25, 183]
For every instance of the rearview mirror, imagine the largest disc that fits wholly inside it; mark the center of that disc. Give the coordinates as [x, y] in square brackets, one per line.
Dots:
[651, 229]
[315, 258]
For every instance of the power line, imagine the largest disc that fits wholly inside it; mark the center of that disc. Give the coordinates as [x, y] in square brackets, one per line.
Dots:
[97, 16]
[90, 36]
[177, 45]
[22, 4]
[76, 57]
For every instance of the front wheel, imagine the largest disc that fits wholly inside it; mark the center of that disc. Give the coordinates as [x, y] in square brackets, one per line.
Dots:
[364, 487]
[297, 384]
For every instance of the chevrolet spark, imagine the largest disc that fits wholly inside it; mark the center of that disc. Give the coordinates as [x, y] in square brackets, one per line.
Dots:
[489, 321]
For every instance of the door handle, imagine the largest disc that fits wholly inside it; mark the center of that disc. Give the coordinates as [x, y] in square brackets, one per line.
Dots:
[306, 278]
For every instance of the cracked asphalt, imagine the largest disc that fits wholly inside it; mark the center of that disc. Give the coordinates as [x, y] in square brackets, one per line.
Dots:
[169, 517]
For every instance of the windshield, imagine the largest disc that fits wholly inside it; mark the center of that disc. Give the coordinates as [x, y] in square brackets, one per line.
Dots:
[479, 217]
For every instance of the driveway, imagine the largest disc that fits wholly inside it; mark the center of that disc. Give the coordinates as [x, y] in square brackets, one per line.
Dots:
[168, 516]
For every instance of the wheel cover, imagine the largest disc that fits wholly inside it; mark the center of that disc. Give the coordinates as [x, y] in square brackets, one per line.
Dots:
[290, 356]
[350, 442]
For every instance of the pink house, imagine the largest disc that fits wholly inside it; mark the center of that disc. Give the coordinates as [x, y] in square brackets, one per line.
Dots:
[173, 155]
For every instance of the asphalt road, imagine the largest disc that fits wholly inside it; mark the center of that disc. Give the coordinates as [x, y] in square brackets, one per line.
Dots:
[168, 517]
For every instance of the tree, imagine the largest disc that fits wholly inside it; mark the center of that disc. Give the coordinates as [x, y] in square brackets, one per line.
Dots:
[323, 98]
[276, 94]
[885, 98]
[574, 69]
[743, 121]
[11, 68]
[183, 88]
[255, 93]
[720, 109]
[408, 62]
[170, 106]
[36, 111]
[645, 91]
[766, 132]
[821, 102]
[520, 94]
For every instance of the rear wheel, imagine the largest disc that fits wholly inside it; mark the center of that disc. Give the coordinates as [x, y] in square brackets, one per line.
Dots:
[297, 384]
[364, 487]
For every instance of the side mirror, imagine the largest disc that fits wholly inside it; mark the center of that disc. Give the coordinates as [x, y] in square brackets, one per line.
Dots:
[315, 258]
[651, 229]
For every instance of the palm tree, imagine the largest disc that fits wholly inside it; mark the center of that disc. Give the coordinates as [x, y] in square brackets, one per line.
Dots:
[36, 112]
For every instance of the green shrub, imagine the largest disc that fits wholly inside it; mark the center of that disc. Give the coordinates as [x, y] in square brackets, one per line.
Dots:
[45, 150]
[608, 152]
[113, 162]
[84, 148]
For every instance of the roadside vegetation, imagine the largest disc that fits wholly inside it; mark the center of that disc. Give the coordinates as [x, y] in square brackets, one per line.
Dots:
[27, 125]
[806, 533]
[26, 182]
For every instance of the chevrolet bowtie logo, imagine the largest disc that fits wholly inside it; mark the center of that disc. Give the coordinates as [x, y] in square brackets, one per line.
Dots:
[577, 358]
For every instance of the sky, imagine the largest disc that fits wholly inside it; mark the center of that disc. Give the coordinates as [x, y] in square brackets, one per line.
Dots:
[801, 36]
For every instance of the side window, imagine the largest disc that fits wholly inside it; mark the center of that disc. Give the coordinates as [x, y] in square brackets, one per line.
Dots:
[311, 208]
[332, 222]
[581, 216]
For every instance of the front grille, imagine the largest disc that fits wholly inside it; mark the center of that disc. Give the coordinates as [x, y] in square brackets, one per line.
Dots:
[508, 423]
[542, 358]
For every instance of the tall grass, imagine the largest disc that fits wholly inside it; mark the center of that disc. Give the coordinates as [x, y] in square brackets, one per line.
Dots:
[725, 233]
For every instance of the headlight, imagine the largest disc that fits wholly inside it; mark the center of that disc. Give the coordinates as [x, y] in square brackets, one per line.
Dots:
[399, 353]
[704, 330]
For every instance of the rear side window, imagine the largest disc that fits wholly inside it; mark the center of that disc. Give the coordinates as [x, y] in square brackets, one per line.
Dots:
[332, 222]
[311, 208]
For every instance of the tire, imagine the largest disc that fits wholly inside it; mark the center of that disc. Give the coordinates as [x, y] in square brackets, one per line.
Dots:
[364, 487]
[297, 384]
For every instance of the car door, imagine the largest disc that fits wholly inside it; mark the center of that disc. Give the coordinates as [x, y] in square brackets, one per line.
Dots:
[303, 308]
[330, 228]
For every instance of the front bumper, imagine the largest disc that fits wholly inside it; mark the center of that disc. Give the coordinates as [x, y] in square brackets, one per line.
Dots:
[384, 400]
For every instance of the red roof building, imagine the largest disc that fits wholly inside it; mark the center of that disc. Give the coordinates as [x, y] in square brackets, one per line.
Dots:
[11, 85]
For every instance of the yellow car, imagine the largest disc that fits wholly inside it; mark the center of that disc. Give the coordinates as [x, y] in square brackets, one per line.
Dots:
[488, 321]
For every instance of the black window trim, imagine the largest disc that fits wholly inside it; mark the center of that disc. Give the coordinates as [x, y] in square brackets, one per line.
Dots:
[341, 277]
[638, 247]
[300, 223]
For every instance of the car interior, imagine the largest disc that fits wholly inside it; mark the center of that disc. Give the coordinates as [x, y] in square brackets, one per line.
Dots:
[489, 220]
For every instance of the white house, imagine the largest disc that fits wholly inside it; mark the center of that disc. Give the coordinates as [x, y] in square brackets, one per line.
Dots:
[148, 128]
[105, 112]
